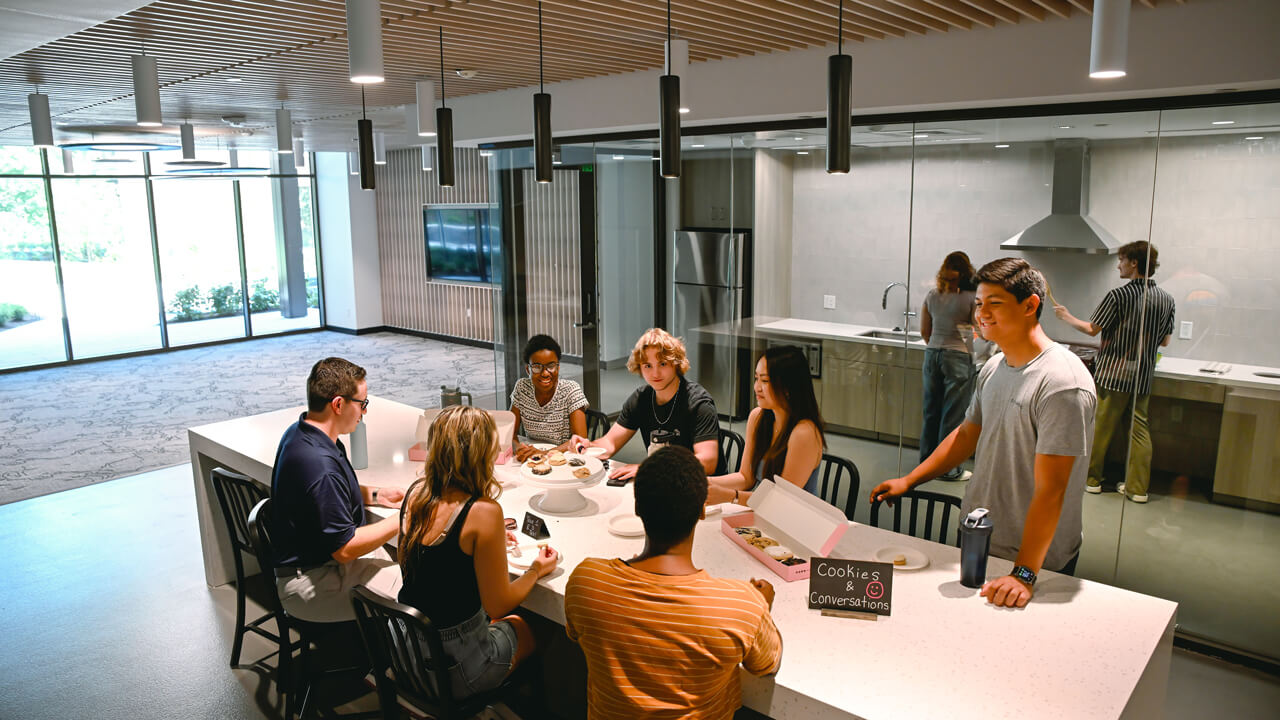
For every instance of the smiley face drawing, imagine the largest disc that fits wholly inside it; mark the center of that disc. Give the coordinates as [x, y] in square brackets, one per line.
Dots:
[875, 590]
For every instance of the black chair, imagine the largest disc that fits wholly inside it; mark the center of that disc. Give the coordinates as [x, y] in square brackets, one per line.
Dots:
[597, 423]
[290, 681]
[931, 501]
[409, 661]
[731, 449]
[237, 495]
[835, 472]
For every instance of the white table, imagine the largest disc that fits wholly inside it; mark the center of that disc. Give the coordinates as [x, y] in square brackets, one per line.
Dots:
[1079, 650]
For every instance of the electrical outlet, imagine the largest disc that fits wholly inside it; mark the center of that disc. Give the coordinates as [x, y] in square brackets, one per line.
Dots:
[1184, 330]
[828, 302]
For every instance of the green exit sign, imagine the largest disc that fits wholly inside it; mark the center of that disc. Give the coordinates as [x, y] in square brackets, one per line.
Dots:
[587, 168]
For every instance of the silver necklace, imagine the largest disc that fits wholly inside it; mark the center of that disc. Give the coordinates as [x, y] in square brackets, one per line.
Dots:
[653, 407]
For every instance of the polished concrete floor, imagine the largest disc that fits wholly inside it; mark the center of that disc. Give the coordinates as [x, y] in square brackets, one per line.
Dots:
[106, 615]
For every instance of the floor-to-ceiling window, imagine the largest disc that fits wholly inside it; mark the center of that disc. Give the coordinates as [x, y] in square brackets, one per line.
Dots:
[143, 252]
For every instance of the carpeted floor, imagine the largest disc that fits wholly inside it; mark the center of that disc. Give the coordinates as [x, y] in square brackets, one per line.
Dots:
[78, 425]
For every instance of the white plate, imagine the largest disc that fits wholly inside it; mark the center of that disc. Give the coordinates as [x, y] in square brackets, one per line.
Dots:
[542, 447]
[915, 559]
[626, 525]
[528, 551]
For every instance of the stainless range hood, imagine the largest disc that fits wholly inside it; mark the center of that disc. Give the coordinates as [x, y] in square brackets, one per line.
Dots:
[1068, 228]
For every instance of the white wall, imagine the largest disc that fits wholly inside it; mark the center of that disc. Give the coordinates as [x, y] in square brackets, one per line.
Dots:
[348, 246]
[1200, 47]
[624, 207]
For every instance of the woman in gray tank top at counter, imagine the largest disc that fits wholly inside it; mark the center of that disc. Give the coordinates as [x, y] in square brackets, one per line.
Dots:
[784, 432]
[946, 324]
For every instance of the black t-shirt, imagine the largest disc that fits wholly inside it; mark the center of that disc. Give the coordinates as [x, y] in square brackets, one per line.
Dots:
[316, 501]
[690, 415]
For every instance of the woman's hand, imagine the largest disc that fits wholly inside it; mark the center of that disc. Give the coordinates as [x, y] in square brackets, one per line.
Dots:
[545, 562]
[717, 494]
[523, 452]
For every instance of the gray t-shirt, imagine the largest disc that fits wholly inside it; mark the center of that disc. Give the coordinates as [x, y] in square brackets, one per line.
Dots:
[1044, 407]
[951, 315]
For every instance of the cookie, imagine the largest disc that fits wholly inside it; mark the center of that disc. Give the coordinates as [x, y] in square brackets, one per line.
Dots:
[535, 460]
[576, 462]
[581, 473]
[541, 469]
[779, 552]
[794, 561]
[762, 542]
[555, 459]
[899, 560]
[748, 532]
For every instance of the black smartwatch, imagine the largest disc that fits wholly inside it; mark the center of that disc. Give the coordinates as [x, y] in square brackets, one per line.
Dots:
[1023, 573]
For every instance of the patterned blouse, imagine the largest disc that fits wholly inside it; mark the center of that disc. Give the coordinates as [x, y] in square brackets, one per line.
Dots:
[547, 423]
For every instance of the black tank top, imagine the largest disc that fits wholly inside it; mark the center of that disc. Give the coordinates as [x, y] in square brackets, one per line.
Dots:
[440, 580]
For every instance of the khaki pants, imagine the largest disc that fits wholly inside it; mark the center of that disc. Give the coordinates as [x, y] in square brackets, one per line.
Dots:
[1112, 406]
[323, 594]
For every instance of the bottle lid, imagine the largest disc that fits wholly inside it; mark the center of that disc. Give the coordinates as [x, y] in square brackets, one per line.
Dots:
[978, 518]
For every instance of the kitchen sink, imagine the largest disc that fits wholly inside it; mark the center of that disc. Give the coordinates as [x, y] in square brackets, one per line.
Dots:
[893, 335]
[1267, 374]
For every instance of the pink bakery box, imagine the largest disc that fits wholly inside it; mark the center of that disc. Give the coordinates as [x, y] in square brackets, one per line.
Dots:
[504, 419]
[805, 524]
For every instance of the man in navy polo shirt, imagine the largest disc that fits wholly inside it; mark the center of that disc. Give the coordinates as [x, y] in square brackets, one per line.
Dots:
[322, 546]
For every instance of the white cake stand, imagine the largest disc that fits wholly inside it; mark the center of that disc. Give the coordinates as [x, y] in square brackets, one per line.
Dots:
[563, 497]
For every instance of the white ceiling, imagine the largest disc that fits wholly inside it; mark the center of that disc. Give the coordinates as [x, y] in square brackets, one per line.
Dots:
[27, 24]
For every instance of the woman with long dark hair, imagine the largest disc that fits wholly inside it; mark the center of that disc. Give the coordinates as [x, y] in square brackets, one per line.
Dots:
[946, 324]
[453, 554]
[784, 431]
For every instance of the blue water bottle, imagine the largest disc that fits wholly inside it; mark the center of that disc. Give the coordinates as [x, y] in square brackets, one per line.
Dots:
[975, 543]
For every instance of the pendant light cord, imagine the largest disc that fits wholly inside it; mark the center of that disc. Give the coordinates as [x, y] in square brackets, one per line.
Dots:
[443, 104]
[540, 87]
[364, 114]
[668, 68]
[840, 30]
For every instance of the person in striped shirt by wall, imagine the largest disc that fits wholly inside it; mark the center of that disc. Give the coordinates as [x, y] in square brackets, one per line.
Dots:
[662, 638]
[1136, 320]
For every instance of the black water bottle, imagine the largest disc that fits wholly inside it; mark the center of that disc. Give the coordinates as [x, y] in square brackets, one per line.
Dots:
[975, 543]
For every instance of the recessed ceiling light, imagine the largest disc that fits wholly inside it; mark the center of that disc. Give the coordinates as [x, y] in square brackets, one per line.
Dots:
[1065, 127]
[920, 136]
[1224, 122]
[1002, 146]
[618, 157]
[233, 80]
[684, 111]
[698, 145]
[556, 162]
[1254, 137]
[799, 138]
[802, 152]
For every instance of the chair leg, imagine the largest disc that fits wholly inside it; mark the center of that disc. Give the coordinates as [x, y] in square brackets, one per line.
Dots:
[238, 643]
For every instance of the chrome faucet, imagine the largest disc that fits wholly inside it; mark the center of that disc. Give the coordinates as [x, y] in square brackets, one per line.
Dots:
[884, 300]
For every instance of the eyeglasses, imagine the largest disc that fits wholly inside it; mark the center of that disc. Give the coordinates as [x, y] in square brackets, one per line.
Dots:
[364, 404]
[539, 368]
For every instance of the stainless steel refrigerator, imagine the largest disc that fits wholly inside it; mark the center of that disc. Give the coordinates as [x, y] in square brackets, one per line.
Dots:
[711, 287]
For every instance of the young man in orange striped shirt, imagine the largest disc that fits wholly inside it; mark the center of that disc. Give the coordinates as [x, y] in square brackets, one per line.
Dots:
[662, 638]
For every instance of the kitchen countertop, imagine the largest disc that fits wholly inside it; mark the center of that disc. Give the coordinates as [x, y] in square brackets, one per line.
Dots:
[1169, 368]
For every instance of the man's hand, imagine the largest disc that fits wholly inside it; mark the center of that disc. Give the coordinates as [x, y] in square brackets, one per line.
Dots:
[622, 470]
[577, 443]
[765, 589]
[889, 489]
[1007, 591]
[390, 497]
[1063, 313]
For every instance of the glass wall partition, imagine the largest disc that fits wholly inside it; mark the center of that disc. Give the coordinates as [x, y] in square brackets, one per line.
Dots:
[101, 233]
[1186, 500]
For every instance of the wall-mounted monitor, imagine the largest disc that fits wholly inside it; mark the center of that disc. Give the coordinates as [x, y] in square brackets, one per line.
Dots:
[458, 242]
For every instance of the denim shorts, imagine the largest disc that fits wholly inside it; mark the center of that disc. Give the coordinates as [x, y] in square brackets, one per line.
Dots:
[482, 653]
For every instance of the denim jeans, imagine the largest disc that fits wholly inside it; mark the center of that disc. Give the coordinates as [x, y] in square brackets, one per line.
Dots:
[948, 385]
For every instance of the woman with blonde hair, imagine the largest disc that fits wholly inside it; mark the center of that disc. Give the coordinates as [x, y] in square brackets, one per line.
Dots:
[453, 554]
[946, 324]
[667, 410]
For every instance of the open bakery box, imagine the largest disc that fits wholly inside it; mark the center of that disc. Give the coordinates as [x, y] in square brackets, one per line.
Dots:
[805, 524]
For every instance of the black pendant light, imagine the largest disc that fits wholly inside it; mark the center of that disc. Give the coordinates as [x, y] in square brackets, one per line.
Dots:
[669, 115]
[541, 120]
[839, 88]
[444, 130]
[364, 135]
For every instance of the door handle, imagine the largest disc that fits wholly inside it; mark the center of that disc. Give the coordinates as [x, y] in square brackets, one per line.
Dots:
[588, 325]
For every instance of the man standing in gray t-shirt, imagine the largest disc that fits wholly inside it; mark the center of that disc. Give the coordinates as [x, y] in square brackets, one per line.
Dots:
[1030, 419]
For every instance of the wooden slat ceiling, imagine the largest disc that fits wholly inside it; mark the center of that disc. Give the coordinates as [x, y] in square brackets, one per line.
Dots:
[246, 57]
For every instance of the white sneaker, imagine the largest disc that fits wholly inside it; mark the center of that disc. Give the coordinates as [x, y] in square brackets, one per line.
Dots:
[1135, 498]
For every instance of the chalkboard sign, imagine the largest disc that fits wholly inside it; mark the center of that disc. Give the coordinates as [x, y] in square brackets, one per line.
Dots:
[535, 527]
[852, 585]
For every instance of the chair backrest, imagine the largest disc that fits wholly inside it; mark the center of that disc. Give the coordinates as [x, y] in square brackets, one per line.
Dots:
[402, 640]
[938, 509]
[731, 448]
[835, 472]
[597, 423]
[260, 539]
[237, 494]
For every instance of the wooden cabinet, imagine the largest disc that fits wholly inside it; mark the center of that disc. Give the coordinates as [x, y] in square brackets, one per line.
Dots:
[872, 390]
[848, 386]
